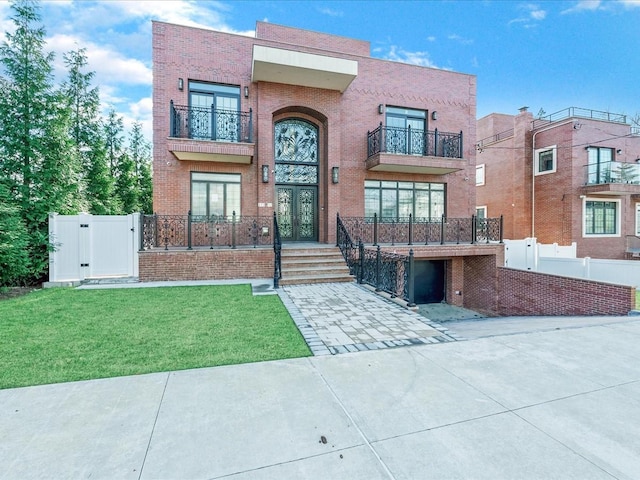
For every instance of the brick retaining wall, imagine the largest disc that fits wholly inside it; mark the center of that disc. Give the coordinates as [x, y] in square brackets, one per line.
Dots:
[160, 265]
[521, 292]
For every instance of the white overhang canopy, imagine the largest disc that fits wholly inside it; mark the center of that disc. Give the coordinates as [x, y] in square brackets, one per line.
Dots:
[306, 69]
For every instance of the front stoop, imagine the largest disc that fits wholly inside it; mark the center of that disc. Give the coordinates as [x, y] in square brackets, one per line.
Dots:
[302, 265]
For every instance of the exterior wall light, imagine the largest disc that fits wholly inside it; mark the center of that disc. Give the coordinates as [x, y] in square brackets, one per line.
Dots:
[335, 172]
[265, 173]
[381, 109]
[246, 92]
[434, 115]
[180, 84]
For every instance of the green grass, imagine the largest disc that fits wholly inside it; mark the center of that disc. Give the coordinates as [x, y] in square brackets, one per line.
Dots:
[60, 335]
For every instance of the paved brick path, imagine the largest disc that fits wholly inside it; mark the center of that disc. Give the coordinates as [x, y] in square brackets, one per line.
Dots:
[346, 317]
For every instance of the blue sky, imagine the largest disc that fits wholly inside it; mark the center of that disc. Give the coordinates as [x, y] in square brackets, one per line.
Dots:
[546, 55]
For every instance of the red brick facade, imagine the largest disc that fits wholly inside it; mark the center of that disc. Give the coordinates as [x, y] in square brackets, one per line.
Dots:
[550, 206]
[343, 119]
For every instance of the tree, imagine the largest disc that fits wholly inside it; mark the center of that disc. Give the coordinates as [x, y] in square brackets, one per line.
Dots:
[14, 241]
[114, 139]
[140, 152]
[88, 135]
[35, 148]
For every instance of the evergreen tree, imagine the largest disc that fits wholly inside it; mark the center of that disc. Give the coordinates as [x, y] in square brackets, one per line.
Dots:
[88, 135]
[140, 152]
[37, 157]
[126, 183]
[14, 241]
[114, 140]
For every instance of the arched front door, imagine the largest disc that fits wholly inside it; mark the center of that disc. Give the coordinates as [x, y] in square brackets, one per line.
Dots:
[297, 173]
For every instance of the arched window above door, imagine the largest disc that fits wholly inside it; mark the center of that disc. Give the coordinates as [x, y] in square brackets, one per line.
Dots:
[296, 151]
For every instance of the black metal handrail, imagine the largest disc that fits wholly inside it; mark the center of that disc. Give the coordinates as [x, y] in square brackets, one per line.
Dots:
[408, 141]
[202, 123]
[387, 272]
[421, 230]
[346, 245]
[277, 251]
[213, 231]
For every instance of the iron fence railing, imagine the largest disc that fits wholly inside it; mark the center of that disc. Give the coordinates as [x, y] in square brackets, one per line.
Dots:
[180, 231]
[576, 112]
[408, 141]
[277, 251]
[210, 124]
[427, 231]
[395, 273]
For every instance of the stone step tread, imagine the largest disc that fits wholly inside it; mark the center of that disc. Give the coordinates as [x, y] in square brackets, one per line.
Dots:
[313, 261]
[314, 271]
[300, 280]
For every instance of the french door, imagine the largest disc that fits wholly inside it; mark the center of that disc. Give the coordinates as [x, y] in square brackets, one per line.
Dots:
[297, 212]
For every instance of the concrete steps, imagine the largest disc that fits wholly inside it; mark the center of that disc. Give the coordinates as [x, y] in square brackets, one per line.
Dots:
[322, 264]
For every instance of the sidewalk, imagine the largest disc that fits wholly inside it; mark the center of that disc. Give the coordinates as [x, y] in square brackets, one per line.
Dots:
[557, 404]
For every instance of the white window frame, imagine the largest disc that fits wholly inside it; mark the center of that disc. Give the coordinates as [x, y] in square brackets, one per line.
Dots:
[536, 160]
[480, 171]
[483, 208]
[618, 217]
[637, 219]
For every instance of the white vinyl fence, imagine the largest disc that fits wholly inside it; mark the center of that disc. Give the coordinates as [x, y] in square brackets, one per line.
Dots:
[93, 246]
[527, 254]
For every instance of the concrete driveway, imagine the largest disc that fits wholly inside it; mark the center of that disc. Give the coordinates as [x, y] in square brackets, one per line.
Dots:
[558, 404]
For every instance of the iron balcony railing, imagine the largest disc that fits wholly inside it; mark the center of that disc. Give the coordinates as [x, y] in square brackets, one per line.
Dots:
[408, 141]
[613, 172]
[420, 231]
[494, 138]
[210, 124]
[188, 231]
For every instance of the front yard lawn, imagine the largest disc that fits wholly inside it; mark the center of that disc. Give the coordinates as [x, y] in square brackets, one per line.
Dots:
[61, 335]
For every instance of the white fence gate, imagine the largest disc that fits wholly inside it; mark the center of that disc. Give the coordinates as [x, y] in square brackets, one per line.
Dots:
[527, 254]
[93, 246]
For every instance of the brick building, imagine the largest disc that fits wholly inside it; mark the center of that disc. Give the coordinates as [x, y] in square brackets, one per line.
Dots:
[302, 127]
[573, 176]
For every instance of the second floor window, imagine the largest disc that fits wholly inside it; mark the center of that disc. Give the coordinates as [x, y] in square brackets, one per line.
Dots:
[405, 131]
[599, 165]
[545, 160]
[214, 111]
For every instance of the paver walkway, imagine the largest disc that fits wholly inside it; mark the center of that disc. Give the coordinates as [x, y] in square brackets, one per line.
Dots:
[347, 317]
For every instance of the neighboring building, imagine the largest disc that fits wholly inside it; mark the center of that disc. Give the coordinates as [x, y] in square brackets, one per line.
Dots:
[573, 176]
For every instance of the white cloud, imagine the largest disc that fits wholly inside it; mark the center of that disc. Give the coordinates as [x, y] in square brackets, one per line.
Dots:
[414, 58]
[459, 39]
[532, 14]
[582, 6]
[431, 38]
[331, 12]
[631, 3]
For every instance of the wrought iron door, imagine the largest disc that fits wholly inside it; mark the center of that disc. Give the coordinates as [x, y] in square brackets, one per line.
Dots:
[297, 213]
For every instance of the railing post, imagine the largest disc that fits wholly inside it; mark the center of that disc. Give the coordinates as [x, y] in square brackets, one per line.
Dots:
[410, 229]
[189, 231]
[409, 140]
[337, 229]
[155, 229]
[375, 229]
[442, 230]
[251, 125]
[411, 280]
[474, 229]
[378, 261]
[460, 153]
[172, 120]
[233, 229]
[501, 225]
[427, 229]
[382, 147]
[213, 123]
[458, 234]
[435, 140]
[360, 261]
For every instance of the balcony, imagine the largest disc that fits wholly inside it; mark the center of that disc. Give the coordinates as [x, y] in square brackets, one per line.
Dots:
[209, 134]
[395, 149]
[613, 178]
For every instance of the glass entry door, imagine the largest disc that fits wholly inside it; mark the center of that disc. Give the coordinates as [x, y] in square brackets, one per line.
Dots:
[297, 166]
[297, 213]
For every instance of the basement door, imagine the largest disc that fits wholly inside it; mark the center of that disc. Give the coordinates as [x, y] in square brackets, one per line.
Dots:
[429, 281]
[297, 213]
